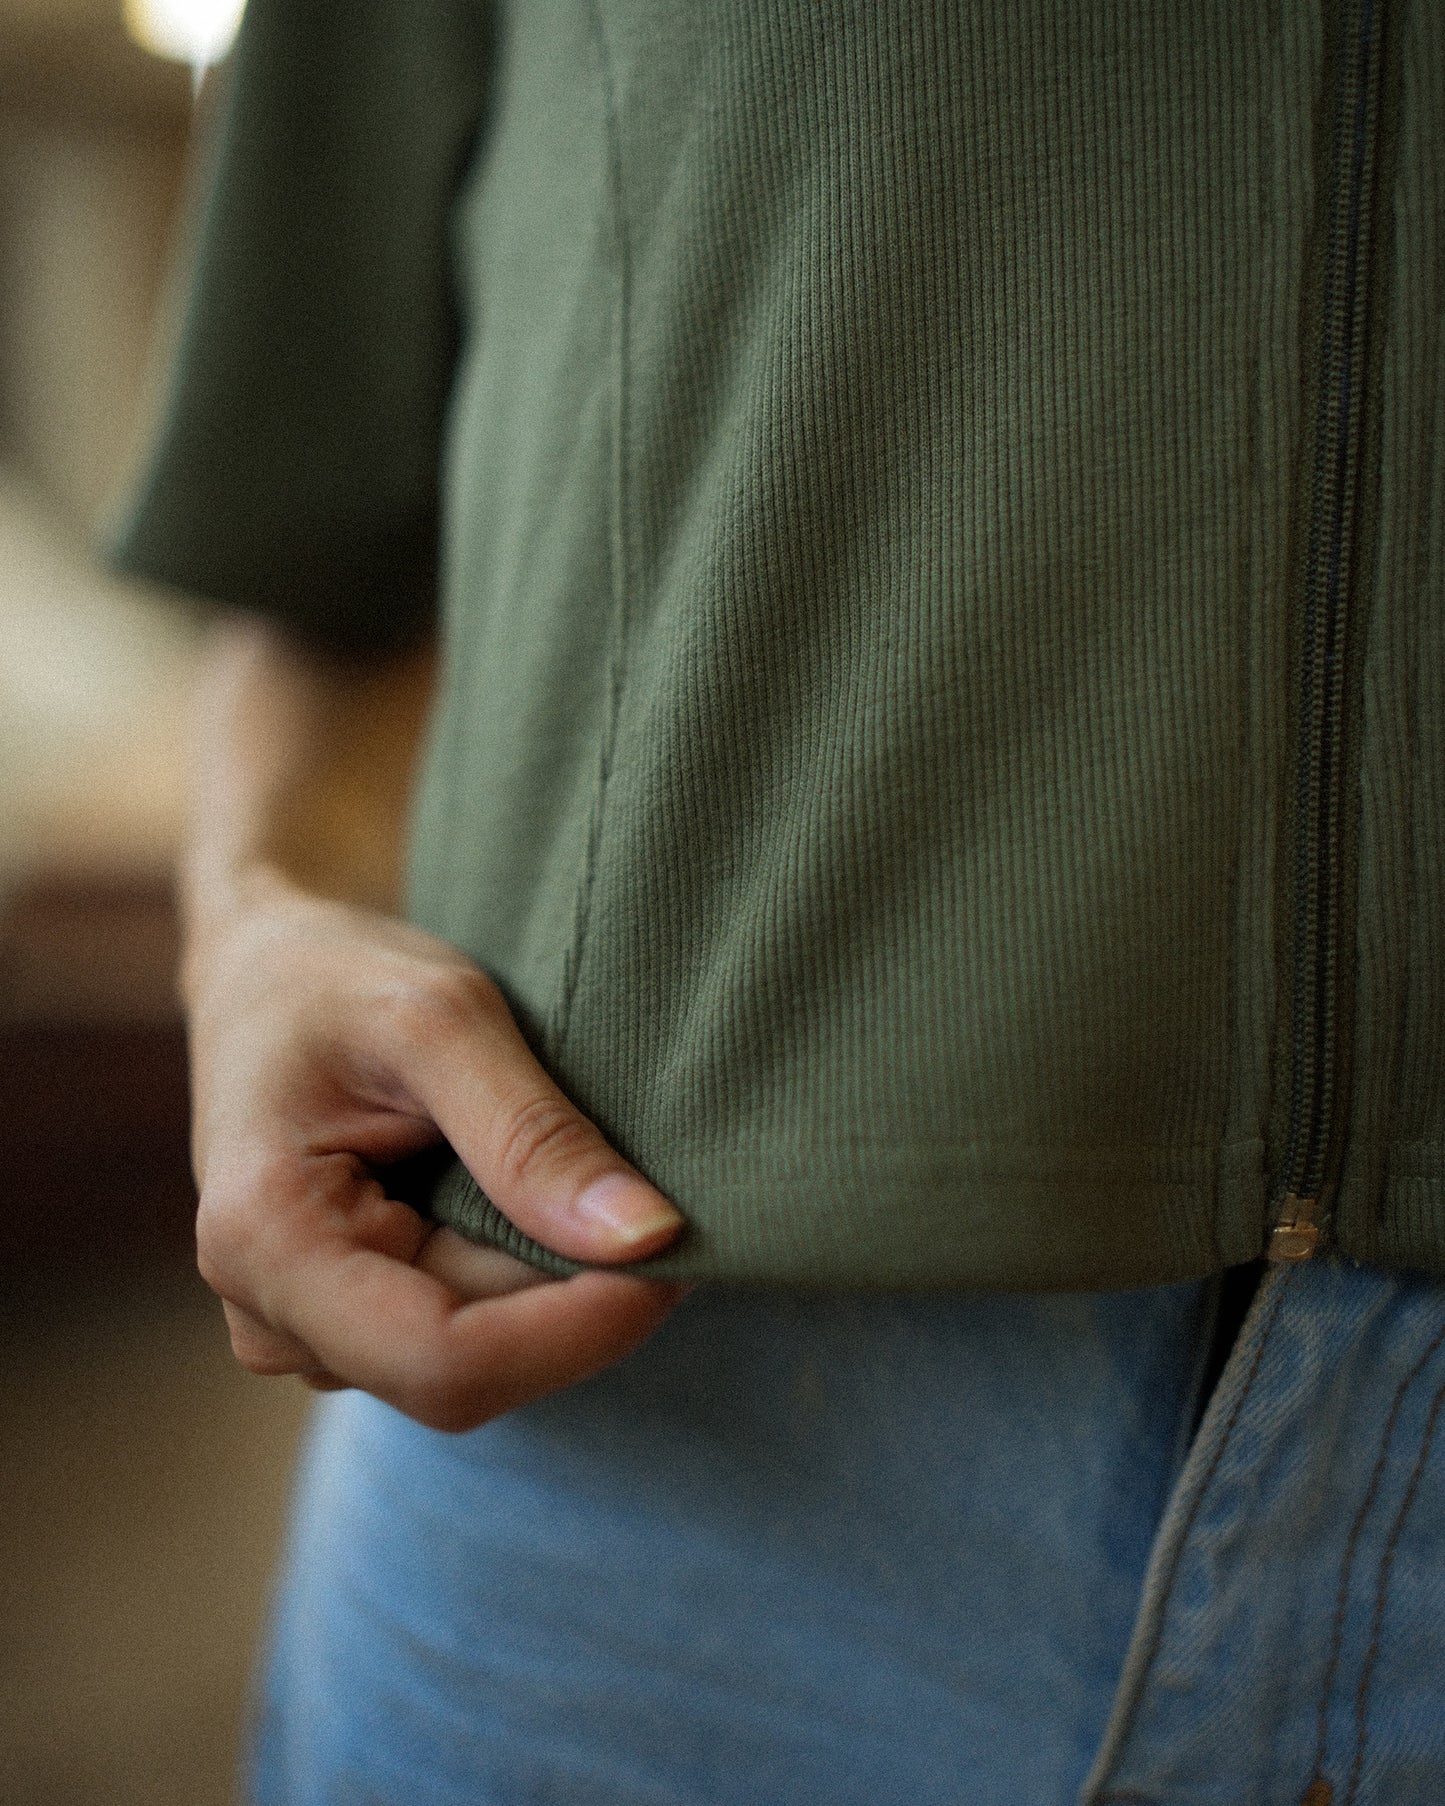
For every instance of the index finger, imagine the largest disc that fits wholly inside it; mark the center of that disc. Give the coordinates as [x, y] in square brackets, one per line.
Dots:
[544, 1164]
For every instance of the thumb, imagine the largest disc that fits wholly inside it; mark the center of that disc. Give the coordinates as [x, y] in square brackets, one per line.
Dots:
[546, 1166]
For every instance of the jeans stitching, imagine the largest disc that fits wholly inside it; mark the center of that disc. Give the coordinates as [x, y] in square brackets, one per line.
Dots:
[1387, 1562]
[1197, 1505]
[1347, 1562]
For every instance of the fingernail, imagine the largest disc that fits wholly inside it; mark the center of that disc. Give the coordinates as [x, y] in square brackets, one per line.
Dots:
[632, 1210]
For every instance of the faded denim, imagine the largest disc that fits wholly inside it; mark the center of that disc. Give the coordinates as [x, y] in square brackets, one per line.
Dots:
[850, 1552]
[1291, 1646]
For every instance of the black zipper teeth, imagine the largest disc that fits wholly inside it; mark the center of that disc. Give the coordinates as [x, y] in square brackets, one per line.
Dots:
[1327, 580]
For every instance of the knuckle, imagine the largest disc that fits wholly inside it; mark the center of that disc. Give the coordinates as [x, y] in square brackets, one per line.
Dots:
[404, 1008]
[214, 1272]
[225, 1237]
[422, 1006]
[236, 1217]
[540, 1132]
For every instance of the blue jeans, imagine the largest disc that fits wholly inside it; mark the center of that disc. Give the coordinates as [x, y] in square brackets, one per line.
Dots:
[1290, 1649]
[835, 1551]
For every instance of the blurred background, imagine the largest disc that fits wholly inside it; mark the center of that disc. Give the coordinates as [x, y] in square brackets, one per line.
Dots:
[142, 1474]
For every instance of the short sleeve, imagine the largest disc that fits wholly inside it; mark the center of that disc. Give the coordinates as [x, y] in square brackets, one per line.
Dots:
[295, 466]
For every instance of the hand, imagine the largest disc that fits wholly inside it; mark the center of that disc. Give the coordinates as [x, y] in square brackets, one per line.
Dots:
[327, 1041]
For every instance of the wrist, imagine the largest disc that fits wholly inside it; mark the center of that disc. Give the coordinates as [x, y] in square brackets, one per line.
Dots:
[216, 898]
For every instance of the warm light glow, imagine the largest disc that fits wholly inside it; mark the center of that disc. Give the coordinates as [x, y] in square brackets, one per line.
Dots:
[198, 32]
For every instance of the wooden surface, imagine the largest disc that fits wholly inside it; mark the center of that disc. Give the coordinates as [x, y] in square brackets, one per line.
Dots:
[94, 1162]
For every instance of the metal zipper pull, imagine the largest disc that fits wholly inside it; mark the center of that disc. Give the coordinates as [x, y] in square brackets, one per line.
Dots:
[1296, 1232]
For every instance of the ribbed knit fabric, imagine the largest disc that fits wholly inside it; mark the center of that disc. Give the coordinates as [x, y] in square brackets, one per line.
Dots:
[1392, 1205]
[870, 513]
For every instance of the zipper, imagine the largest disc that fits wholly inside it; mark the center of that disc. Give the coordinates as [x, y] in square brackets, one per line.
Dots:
[1329, 575]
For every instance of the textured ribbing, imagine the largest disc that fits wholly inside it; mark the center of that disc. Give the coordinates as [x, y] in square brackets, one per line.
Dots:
[1392, 1200]
[931, 735]
[863, 743]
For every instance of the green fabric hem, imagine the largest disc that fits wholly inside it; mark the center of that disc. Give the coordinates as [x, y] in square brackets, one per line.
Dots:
[894, 1225]
[1399, 1223]
[1061, 1232]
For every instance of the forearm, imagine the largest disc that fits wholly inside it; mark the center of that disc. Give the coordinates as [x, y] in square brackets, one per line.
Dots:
[301, 773]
